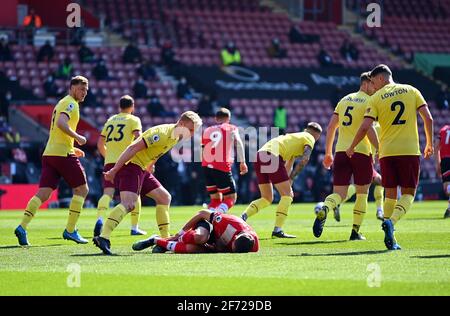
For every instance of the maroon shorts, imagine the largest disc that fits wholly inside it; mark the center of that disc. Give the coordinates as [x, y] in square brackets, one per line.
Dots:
[130, 178]
[400, 171]
[360, 166]
[270, 168]
[106, 183]
[55, 167]
[150, 183]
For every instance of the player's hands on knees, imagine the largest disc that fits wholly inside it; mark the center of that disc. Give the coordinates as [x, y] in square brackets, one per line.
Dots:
[243, 168]
[350, 151]
[79, 153]
[327, 161]
[428, 152]
[81, 140]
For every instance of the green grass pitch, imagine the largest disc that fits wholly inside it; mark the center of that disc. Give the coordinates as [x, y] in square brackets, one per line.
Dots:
[330, 265]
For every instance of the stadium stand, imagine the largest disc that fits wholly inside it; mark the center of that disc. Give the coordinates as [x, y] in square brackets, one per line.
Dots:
[199, 29]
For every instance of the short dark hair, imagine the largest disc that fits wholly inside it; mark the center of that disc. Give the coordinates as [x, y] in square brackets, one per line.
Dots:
[125, 102]
[314, 126]
[380, 69]
[78, 80]
[243, 243]
[365, 76]
[223, 113]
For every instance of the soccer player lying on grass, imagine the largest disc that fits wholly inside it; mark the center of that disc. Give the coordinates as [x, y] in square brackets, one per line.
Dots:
[207, 231]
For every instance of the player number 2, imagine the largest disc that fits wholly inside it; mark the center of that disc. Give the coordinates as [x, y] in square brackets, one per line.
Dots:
[110, 129]
[397, 120]
[216, 137]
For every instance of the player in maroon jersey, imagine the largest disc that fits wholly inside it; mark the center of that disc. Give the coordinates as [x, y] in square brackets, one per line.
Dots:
[217, 159]
[443, 162]
[207, 231]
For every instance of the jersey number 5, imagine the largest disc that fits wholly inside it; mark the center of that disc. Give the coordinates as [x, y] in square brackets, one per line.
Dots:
[347, 114]
[397, 120]
[110, 129]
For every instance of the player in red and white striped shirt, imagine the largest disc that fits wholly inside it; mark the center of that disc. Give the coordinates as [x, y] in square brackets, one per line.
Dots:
[443, 162]
[217, 158]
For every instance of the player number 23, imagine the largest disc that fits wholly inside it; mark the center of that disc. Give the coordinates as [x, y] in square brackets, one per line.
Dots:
[110, 129]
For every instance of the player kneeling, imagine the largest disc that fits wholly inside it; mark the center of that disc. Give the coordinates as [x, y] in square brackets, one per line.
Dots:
[207, 232]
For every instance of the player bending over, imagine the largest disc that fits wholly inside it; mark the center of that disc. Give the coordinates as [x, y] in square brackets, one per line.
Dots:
[273, 167]
[130, 174]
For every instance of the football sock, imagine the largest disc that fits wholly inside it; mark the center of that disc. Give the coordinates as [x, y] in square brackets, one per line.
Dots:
[116, 216]
[359, 211]
[135, 214]
[402, 207]
[163, 220]
[225, 205]
[103, 206]
[177, 247]
[214, 203]
[256, 206]
[448, 193]
[350, 192]
[378, 195]
[332, 201]
[282, 210]
[389, 205]
[32, 206]
[74, 212]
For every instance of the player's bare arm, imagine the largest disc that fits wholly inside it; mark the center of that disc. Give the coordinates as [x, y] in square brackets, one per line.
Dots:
[425, 114]
[373, 138]
[289, 164]
[64, 126]
[331, 134]
[137, 133]
[129, 153]
[438, 156]
[151, 167]
[240, 153]
[201, 215]
[362, 132]
[78, 152]
[101, 146]
[302, 162]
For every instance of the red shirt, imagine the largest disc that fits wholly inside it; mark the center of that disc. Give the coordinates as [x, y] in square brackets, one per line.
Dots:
[226, 227]
[217, 142]
[444, 135]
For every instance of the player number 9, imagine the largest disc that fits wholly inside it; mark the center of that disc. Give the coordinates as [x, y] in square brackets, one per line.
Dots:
[216, 137]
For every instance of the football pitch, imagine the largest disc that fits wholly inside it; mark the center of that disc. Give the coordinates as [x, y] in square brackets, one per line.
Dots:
[330, 265]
